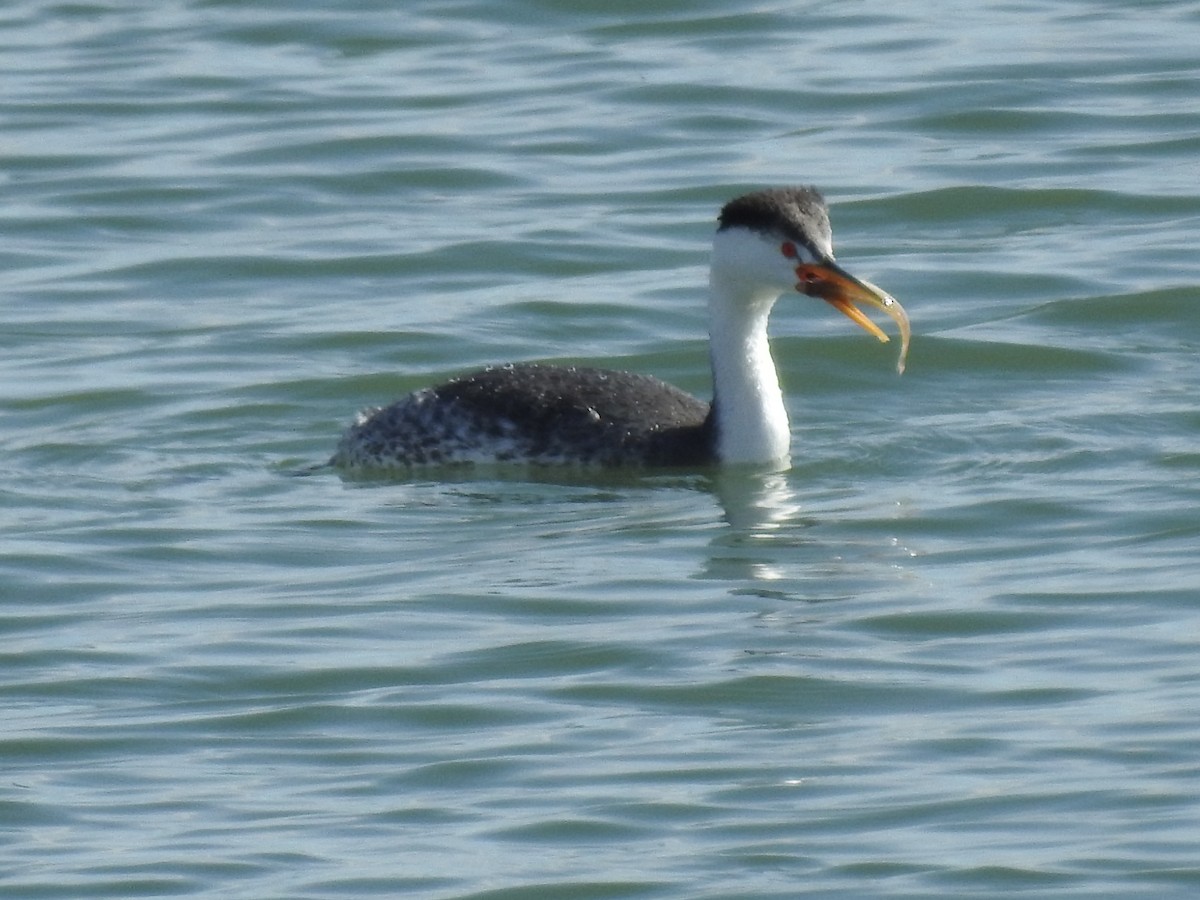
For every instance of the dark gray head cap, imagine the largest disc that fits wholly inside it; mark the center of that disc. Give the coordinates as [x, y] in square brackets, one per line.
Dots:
[796, 213]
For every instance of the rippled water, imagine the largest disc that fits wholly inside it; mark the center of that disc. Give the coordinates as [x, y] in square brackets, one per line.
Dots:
[951, 652]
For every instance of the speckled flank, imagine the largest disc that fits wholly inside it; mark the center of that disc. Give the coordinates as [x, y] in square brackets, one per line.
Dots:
[544, 415]
[419, 430]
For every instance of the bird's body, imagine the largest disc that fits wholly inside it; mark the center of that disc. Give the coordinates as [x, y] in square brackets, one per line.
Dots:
[767, 243]
[544, 415]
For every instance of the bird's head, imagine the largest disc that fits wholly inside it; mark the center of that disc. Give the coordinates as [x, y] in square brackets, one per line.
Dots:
[777, 241]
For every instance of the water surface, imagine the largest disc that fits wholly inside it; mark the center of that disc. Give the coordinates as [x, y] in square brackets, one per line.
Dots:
[949, 652]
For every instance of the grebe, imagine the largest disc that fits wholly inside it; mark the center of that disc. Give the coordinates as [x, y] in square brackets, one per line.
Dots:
[767, 243]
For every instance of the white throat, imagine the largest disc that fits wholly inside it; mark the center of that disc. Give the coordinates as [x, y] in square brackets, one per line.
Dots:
[751, 420]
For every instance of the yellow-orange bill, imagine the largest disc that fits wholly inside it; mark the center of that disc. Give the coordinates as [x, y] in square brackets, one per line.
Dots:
[858, 317]
[844, 292]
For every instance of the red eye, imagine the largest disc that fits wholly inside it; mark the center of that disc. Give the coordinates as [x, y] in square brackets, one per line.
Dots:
[788, 249]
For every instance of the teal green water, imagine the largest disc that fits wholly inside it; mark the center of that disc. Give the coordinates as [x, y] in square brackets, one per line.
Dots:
[952, 652]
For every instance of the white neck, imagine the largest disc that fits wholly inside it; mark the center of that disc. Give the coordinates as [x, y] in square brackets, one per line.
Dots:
[752, 423]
